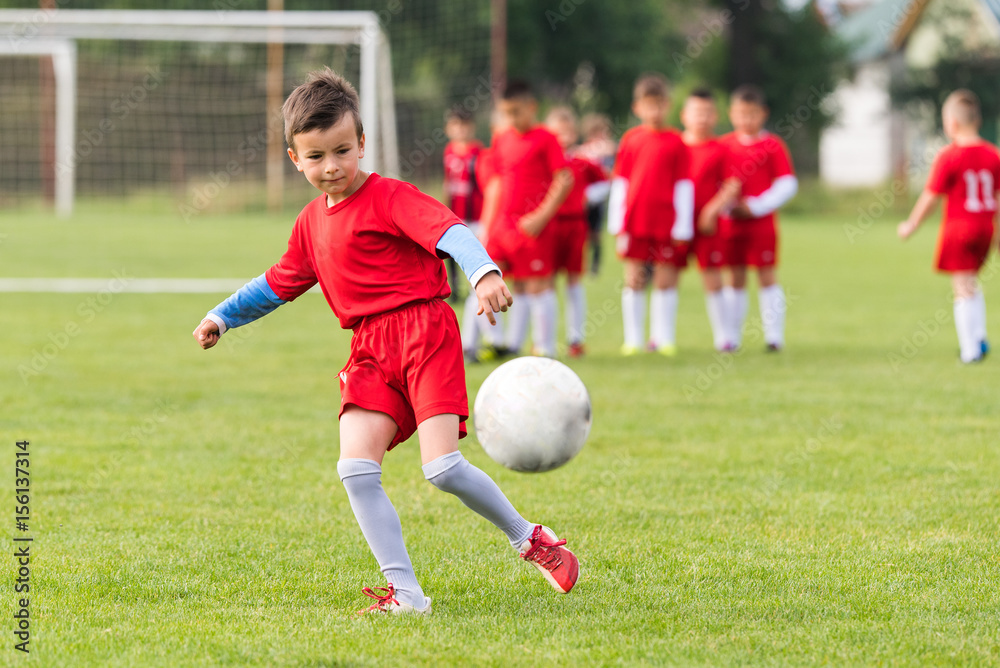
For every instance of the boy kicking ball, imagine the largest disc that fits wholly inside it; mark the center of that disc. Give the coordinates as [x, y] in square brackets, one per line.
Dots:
[374, 245]
[967, 174]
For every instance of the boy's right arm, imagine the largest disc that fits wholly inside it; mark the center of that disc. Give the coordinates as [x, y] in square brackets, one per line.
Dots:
[254, 300]
[927, 201]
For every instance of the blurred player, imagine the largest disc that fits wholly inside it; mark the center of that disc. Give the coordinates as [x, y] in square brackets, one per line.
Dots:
[761, 162]
[967, 173]
[572, 228]
[598, 146]
[465, 199]
[534, 181]
[373, 245]
[711, 194]
[651, 209]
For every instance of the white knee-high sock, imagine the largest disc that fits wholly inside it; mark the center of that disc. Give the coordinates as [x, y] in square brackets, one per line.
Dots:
[379, 522]
[576, 312]
[454, 474]
[979, 307]
[544, 309]
[772, 313]
[470, 323]
[663, 317]
[634, 316]
[517, 320]
[736, 310]
[965, 324]
[715, 305]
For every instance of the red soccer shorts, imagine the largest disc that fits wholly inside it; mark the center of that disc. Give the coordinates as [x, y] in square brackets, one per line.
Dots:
[749, 243]
[644, 249]
[963, 249]
[532, 257]
[710, 250]
[407, 363]
[571, 243]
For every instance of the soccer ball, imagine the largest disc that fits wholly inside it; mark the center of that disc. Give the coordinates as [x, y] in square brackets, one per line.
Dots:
[532, 414]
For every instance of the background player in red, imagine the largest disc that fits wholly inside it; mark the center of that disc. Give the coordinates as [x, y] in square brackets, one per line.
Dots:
[534, 181]
[598, 146]
[571, 225]
[760, 160]
[373, 244]
[967, 173]
[651, 211]
[712, 192]
[464, 197]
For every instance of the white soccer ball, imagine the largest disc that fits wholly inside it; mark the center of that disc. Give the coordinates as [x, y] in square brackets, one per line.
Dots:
[532, 414]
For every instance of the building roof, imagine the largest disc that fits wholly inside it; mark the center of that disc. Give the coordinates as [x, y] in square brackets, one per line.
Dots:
[880, 29]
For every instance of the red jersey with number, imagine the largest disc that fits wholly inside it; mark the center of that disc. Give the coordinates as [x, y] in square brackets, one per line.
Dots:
[708, 171]
[757, 162]
[968, 176]
[371, 253]
[526, 164]
[585, 173]
[653, 161]
[464, 197]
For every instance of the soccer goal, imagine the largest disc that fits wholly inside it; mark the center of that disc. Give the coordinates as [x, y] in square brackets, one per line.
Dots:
[126, 102]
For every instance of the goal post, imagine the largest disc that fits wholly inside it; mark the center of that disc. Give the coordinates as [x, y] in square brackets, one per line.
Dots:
[57, 33]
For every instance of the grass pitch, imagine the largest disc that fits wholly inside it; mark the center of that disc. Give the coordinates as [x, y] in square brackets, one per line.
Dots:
[836, 503]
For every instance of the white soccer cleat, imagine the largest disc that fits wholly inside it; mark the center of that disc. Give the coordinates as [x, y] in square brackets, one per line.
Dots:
[387, 603]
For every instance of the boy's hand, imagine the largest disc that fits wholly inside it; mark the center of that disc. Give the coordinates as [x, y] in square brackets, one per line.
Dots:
[741, 210]
[906, 228]
[493, 296]
[207, 333]
[707, 222]
[532, 224]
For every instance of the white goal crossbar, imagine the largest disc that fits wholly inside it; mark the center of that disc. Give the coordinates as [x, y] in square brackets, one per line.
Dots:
[25, 32]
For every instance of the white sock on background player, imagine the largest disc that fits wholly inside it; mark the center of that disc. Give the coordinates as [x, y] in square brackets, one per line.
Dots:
[663, 317]
[517, 320]
[980, 310]
[470, 324]
[634, 317]
[379, 523]
[715, 305]
[454, 474]
[772, 314]
[544, 313]
[576, 312]
[736, 310]
[965, 327]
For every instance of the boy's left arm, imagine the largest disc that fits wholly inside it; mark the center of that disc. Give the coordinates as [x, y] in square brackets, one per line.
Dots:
[533, 222]
[484, 275]
[783, 187]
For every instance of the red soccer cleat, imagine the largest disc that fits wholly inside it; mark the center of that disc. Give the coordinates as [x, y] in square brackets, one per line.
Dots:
[387, 603]
[575, 350]
[546, 552]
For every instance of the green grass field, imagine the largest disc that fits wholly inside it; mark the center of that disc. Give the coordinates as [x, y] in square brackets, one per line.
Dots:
[837, 503]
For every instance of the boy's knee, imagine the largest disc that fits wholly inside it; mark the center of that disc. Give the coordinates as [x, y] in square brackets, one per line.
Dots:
[440, 471]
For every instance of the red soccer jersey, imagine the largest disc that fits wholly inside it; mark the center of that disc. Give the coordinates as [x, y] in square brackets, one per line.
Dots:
[757, 164]
[485, 168]
[708, 171]
[653, 161]
[371, 253]
[526, 164]
[584, 173]
[465, 198]
[968, 176]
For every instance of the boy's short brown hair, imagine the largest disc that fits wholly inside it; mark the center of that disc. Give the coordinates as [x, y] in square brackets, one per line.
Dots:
[460, 114]
[651, 84]
[750, 94]
[561, 113]
[592, 125]
[319, 104]
[963, 105]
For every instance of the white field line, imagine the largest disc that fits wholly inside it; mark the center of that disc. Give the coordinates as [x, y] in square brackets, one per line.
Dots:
[147, 285]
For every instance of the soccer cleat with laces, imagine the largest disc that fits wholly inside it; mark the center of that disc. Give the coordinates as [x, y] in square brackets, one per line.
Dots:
[546, 552]
[386, 602]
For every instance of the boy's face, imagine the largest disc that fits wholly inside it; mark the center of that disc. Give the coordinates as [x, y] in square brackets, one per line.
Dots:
[651, 109]
[329, 158]
[458, 130]
[747, 118]
[519, 113]
[564, 129]
[699, 116]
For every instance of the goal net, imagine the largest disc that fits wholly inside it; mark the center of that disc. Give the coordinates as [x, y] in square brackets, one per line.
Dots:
[132, 104]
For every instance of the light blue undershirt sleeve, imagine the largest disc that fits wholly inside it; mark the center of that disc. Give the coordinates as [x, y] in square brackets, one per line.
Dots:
[254, 300]
[460, 243]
